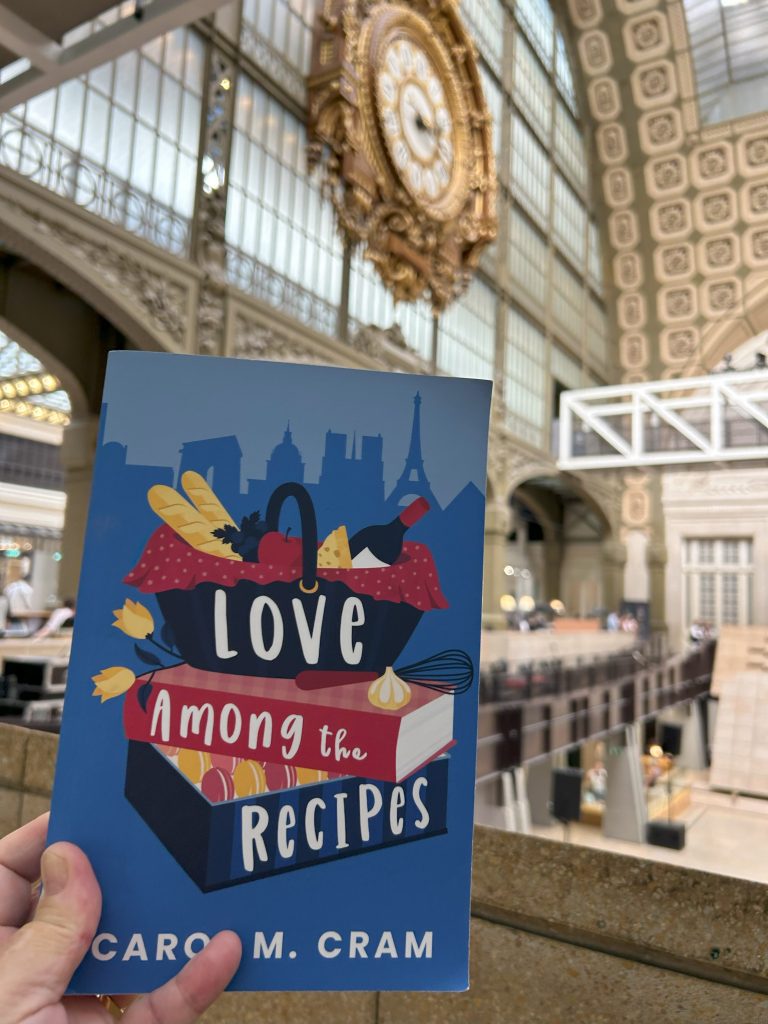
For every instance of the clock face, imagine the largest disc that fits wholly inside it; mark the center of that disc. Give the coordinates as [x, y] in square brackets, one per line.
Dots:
[416, 120]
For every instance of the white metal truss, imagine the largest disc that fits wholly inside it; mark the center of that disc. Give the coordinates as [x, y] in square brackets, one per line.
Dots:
[52, 63]
[719, 418]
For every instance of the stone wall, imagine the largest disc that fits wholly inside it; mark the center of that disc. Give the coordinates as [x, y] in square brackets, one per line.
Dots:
[559, 933]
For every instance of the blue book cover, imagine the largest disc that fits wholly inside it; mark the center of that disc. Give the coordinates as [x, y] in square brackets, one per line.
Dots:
[271, 709]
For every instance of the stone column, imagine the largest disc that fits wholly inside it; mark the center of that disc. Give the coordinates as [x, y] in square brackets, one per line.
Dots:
[539, 778]
[614, 559]
[625, 812]
[77, 454]
[494, 560]
[657, 571]
[208, 240]
[553, 561]
[657, 560]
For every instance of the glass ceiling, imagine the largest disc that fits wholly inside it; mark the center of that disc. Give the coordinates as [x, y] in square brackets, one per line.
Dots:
[27, 389]
[728, 43]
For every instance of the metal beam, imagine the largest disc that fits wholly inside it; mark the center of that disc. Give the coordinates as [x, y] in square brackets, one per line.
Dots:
[54, 64]
[718, 418]
[25, 40]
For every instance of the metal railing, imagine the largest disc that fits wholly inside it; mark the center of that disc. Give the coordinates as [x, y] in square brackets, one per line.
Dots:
[545, 708]
[251, 276]
[56, 167]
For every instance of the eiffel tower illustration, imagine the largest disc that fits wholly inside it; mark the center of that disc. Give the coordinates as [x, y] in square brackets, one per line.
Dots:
[413, 482]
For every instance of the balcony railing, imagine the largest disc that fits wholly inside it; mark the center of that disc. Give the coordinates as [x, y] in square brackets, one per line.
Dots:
[253, 277]
[68, 174]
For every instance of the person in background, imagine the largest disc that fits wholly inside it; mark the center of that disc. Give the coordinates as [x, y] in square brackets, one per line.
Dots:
[597, 783]
[628, 623]
[612, 622]
[59, 617]
[20, 595]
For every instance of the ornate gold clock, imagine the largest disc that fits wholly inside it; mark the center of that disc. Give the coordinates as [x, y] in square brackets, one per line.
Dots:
[398, 121]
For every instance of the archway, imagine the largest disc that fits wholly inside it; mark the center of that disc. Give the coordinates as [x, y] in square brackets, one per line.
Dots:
[555, 547]
[35, 410]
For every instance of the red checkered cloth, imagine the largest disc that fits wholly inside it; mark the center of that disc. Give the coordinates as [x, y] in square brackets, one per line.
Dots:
[169, 563]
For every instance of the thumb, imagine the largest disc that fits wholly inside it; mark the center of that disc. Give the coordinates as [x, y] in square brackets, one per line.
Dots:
[38, 962]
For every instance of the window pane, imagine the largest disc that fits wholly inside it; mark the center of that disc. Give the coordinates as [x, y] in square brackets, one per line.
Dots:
[485, 19]
[533, 89]
[530, 172]
[525, 377]
[288, 259]
[105, 132]
[528, 256]
[538, 22]
[467, 334]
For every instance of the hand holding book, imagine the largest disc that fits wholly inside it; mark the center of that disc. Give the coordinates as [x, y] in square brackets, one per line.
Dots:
[39, 951]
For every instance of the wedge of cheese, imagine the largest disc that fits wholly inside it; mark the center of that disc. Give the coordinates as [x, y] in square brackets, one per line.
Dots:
[334, 552]
[187, 522]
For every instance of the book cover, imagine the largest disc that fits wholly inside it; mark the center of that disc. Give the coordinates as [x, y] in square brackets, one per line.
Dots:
[270, 719]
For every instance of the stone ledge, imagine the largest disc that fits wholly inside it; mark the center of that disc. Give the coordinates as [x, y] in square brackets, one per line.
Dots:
[653, 909]
[13, 751]
[294, 1008]
[40, 762]
[526, 979]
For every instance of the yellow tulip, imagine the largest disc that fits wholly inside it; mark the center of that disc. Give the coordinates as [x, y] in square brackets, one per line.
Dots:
[134, 620]
[111, 682]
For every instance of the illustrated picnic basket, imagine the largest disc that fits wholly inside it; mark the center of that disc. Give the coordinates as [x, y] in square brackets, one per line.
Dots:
[274, 620]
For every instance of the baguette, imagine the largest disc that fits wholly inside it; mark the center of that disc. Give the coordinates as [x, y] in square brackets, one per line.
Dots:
[205, 501]
[185, 520]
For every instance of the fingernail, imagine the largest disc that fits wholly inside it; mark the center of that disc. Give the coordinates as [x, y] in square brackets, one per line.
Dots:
[55, 872]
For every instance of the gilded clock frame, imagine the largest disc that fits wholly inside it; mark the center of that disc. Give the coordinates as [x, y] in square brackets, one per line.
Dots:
[420, 249]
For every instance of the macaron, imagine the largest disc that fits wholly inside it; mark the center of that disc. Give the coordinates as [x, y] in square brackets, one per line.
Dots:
[226, 762]
[217, 785]
[194, 764]
[304, 776]
[249, 779]
[279, 776]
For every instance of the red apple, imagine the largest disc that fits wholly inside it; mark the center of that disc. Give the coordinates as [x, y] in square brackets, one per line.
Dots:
[277, 548]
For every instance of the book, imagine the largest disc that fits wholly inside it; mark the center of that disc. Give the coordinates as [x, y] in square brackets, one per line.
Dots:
[212, 764]
[335, 729]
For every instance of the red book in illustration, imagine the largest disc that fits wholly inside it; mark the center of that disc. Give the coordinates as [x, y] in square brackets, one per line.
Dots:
[334, 728]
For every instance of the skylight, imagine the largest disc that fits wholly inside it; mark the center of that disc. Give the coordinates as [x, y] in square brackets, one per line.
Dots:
[728, 46]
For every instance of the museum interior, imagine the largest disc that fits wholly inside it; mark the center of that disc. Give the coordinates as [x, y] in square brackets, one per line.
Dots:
[569, 199]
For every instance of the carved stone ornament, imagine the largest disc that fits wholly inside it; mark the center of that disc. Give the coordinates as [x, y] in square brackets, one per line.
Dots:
[388, 347]
[254, 340]
[399, 124]
[162, 300]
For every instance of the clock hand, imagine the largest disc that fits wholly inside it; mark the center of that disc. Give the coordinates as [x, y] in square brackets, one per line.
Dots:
[423, 125]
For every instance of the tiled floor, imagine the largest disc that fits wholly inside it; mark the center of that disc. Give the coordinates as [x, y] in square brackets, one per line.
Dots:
[725, 835]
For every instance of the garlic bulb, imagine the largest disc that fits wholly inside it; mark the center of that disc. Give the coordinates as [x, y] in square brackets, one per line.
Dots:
[389, 691]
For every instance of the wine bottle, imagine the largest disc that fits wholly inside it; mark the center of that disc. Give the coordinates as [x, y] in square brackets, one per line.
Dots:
[378, 546]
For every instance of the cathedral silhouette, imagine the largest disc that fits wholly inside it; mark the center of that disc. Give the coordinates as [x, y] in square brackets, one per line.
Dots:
[350, 487]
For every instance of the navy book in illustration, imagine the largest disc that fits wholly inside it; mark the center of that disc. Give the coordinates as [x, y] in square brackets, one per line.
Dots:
[271, 706]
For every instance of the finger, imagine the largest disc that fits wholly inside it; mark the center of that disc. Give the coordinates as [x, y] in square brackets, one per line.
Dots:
[86, 1010]
[191, 992]
[20, 854]
[38, 962]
